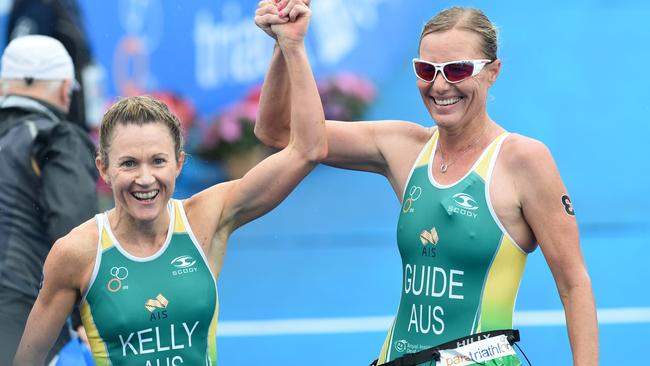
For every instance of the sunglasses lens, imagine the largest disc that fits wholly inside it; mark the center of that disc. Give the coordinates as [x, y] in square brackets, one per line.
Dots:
[425, 71]
[458, 71]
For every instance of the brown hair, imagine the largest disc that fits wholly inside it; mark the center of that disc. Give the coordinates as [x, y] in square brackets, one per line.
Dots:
[138, 110]
[470, 19]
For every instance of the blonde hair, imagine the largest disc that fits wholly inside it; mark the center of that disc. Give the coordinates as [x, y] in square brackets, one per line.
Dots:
[470, 19]
[138, 110]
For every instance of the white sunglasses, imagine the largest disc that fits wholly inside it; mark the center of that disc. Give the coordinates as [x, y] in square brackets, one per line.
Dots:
[453, 71]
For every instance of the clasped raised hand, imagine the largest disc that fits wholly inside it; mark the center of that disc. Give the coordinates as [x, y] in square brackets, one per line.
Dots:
[284, 20]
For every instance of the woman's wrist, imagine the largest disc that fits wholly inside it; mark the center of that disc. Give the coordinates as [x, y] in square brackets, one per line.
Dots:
[290, 45]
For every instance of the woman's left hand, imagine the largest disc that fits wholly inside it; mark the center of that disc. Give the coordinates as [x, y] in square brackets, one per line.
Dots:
[285, 20]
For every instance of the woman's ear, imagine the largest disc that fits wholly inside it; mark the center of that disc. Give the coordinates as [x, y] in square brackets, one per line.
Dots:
[179, 163]
[493, 70]
[103, 170]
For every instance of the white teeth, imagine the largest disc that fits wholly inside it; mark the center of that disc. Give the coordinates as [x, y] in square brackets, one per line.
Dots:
[449, 101]
[145, 195]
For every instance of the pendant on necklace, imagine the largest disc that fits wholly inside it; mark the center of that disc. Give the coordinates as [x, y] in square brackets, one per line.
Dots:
[443, 168]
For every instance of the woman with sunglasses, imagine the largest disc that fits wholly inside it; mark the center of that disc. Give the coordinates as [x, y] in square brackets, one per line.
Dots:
[476, 199]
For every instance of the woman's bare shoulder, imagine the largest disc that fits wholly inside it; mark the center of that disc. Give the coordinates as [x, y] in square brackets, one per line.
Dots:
[76, 250]
[529, 162]
[521, 151]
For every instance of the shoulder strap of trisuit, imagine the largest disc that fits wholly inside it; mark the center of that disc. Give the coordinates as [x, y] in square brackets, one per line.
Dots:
[491, 152]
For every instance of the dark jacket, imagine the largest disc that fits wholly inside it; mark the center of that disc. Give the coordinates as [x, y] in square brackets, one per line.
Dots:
[47, 187]
[62, 20]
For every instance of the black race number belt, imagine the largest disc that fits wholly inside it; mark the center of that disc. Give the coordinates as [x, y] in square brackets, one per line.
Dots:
[433, 353]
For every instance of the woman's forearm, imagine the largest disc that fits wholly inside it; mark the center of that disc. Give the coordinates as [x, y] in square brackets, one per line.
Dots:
[274, 111]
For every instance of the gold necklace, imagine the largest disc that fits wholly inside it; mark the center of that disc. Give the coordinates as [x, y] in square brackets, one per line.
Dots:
[445, 166]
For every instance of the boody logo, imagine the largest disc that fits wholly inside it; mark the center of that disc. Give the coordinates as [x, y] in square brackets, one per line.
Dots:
[464, 205]
[160, 302]
[183, 264]
[183, 261]
[464, 200]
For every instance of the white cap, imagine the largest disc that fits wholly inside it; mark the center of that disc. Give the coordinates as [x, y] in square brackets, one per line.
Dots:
[37, 57]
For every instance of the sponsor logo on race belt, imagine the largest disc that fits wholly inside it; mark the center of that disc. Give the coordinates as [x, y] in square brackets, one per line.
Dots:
[478, 352]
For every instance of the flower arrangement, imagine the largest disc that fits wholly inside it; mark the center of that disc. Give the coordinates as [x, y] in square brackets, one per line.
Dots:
[345, 96]
[231, 132]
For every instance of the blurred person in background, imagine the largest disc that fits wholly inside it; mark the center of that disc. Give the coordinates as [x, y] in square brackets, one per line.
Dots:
[47, 184]
[62, 20]
[475, 198]
[145, 271]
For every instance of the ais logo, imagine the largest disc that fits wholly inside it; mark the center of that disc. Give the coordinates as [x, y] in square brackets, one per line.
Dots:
[184, 265]
[429, 237]
[157, 307]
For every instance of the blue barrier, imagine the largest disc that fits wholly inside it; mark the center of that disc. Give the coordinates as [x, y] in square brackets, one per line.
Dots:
[75, 353]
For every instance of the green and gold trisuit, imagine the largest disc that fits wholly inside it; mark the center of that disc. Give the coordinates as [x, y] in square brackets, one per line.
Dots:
[461, 269]
[154, 311]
